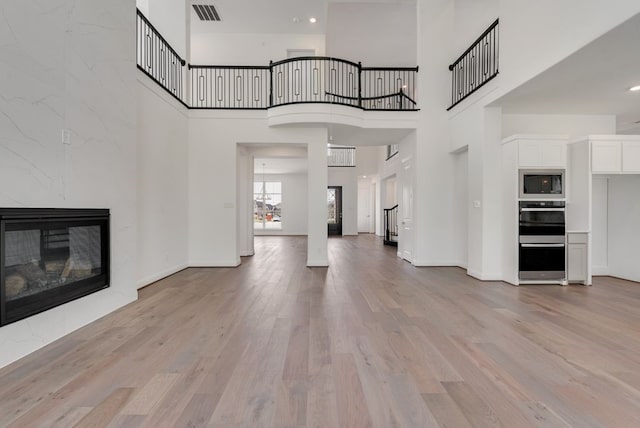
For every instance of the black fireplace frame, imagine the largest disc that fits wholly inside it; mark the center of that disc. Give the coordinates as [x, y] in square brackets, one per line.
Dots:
[48, 299]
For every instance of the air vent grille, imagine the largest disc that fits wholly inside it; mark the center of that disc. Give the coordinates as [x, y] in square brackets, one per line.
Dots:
[206, 12]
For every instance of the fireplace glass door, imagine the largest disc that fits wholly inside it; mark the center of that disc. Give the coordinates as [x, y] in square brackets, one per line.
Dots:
[50, 261]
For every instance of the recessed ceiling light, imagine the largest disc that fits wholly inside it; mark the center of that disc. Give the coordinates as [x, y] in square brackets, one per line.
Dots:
[635, 88]
[312, 20]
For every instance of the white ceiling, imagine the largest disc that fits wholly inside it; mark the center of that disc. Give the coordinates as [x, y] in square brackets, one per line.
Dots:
[263, 16]
[270, 16]
[594, 80]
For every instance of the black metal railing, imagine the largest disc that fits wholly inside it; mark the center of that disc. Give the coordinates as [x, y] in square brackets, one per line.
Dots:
[392, 150]
[290, 81]
[389, 88]
[476, 66]
[229, 87]
[338, 81]
[341, 156]
[157, 59]
[391, 226]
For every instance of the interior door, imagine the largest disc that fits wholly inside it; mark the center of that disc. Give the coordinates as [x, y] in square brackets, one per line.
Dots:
[334, 208]
[406, 239]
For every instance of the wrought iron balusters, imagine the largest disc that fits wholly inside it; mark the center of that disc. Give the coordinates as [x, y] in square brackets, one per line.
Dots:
[291, 81]
[157, 59]
[341, 156]
[476, 66]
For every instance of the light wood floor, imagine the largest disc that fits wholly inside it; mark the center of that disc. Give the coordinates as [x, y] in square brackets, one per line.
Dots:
[371, 341]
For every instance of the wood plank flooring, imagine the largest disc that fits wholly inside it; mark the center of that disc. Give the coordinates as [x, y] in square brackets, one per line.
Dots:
[369, 342]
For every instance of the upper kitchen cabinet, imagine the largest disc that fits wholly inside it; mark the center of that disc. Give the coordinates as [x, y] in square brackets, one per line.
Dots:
[615, 154]
[631, 156]
[606, 157]
[540, 151]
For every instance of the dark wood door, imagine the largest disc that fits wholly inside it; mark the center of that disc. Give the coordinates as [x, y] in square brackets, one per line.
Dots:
[334, 208]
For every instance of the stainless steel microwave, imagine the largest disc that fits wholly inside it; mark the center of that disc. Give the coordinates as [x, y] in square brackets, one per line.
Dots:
[542, 184]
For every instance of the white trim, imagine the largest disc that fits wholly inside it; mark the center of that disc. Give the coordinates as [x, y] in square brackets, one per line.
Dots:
[247, 253]
[153, 87]
[484, 276]
[161, 275]
[208, 263]
[435, 263]
[317, 263]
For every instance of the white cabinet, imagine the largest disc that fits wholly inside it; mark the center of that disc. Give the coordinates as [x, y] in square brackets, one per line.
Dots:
[631, 156]
[615, 157]
[577, 257]
[542, 154]
[606, 157]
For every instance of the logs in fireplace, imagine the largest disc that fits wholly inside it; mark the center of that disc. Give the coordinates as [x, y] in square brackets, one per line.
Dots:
[49, 257]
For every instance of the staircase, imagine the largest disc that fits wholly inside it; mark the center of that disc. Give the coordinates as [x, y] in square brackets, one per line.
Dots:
[391, 226]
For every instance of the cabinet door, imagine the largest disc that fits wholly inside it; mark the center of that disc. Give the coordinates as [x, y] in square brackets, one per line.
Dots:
[577, 262]
[606, 157]
[631, 156]
[542, 154]
[554, 154]
[529, 154]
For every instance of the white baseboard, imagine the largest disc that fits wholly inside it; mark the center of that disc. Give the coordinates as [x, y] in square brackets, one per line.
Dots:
[160, 275]
[434, 263]
[247, 253]
[492, 276]
[197, 263]
[317, 263]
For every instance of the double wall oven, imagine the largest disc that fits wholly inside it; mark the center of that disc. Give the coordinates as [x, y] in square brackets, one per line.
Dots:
[542, 254]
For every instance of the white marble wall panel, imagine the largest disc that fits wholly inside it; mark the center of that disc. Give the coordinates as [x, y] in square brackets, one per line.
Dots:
[68, 67]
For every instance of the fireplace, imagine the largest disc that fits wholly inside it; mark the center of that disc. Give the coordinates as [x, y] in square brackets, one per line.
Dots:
[49, 257]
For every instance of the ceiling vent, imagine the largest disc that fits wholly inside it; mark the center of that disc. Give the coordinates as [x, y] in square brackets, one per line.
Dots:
[206, 12]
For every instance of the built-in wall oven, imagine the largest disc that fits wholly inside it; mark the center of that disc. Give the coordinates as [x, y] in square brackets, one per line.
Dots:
[542, 251]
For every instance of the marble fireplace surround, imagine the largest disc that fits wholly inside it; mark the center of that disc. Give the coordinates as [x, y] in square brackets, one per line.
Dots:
[68, 138]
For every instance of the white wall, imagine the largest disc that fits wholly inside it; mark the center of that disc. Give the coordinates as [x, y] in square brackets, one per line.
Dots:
[461, 208]
[536, 35]
[169, 18]
[391, 192]
[624, 227]
[433, 163]
[600, 225]
[377, 34]
[347, 178]
[162, 183]
[575, 126]
[365, 208]
[72, 67]
[368, 159]
[250, 49]
[294, 204]
[214, 235]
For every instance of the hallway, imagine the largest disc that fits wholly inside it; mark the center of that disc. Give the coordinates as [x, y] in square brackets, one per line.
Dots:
[369, 341]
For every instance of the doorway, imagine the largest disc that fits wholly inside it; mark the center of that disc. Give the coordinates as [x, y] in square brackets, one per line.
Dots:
[334, 208]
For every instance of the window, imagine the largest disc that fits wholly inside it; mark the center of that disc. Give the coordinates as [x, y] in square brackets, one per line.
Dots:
[267, 204]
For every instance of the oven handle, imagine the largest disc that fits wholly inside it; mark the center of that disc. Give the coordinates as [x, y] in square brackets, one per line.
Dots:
[541, 245]
[541, 209]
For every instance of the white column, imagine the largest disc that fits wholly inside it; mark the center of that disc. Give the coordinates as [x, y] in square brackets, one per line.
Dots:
[317, 195]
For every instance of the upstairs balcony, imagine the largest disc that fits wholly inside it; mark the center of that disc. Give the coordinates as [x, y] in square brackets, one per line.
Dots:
[302, 80]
